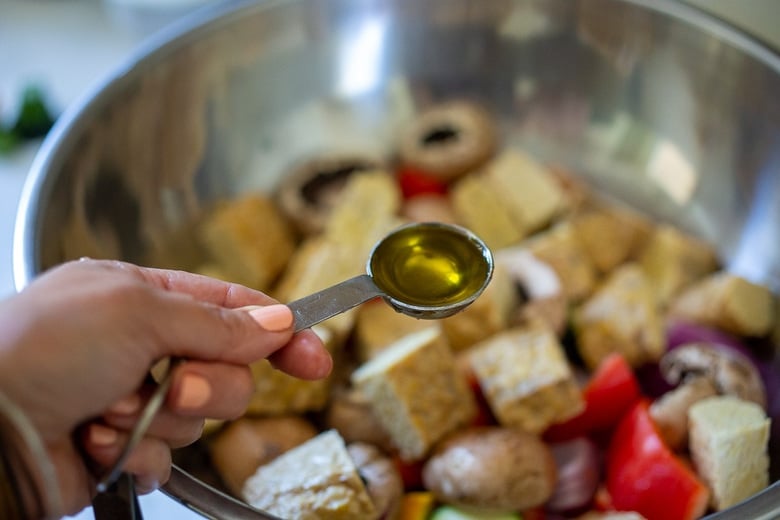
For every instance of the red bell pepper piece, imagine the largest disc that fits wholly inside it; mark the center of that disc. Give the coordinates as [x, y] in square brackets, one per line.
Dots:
[415, 182]
[644, 475]
[610, 392]
[411, 473]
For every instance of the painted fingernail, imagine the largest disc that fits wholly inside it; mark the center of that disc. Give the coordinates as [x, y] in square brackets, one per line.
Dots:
[100, 435]
[194, 392]
[127, 406]
[273, 318]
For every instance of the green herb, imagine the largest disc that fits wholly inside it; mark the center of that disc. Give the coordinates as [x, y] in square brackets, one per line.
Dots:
[34, 120]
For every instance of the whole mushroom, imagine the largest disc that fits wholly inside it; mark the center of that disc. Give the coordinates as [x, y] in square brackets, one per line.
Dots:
[381, 476]
[493, 469]
[310, 191]
[449, 140]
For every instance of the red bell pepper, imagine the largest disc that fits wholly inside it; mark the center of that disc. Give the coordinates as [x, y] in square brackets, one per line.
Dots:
[610, 392]
[411, 473]
[644, 475]
[415, 182]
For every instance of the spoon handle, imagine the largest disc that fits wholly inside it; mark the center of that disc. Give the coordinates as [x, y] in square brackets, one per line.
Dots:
[314, 308]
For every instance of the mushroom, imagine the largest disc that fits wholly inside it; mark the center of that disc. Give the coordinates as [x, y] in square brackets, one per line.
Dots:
[309, 192]
[382, 479]
[449, 140]
[492, 468]
[701, 370]
[730, 372]
[670, 411]
[350, 413]
[247, 443]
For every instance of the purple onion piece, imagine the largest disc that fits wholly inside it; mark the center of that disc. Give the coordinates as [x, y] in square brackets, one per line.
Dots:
[578, 475]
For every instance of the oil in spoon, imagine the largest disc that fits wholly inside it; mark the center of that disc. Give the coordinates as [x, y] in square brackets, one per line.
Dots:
[430, 265]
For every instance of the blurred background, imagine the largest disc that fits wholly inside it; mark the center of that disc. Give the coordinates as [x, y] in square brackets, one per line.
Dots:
[53, 52]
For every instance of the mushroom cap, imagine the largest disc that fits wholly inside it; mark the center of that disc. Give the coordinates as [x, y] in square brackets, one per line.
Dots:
[308, 192]
[730, 372]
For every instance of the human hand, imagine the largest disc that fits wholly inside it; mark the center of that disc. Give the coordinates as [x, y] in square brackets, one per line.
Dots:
[77, 344]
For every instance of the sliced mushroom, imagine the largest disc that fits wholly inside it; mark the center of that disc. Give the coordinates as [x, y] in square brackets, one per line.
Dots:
[449, 140]
[310, 191]
[670, 411]
[381, 476]
[730, 372]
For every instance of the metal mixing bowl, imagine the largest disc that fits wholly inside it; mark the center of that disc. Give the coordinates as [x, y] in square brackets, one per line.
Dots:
[654, 102]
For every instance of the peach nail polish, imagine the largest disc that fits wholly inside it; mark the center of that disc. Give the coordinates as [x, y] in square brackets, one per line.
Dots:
[273, 318]
[100, 435]
[194, 392]
[127, 406]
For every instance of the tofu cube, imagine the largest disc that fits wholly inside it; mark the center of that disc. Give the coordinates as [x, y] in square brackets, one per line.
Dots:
[416, 391]
[377, 326]
[277, 393]
[249, 240]
[366, 213]
[672, 260]
[317, 480]
[622, 316]
[526, 378]
[527, 188]
[728, 444]
[728, 302]
[479, 208]
[488, 314]
[610, 236]
[560, 248]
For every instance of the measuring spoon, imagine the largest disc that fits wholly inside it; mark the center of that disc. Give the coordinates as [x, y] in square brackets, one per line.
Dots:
[426, 270]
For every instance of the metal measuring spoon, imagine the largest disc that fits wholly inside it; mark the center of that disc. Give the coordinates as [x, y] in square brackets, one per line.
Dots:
[426, 270]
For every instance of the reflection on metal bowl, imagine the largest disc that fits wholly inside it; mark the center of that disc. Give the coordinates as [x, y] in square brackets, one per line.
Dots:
[653, 102]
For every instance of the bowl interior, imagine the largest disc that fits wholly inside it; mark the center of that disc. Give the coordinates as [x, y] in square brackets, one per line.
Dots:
[656, 104]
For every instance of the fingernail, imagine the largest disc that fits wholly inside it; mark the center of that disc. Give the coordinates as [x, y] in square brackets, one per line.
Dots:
[194, 392]
[100, 435]
[273, 318]
[127, 406]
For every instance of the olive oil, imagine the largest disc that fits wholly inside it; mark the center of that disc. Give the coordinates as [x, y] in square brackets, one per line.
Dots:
[430, 265]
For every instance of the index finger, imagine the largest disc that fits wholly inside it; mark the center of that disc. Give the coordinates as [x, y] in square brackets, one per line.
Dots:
[203, 288]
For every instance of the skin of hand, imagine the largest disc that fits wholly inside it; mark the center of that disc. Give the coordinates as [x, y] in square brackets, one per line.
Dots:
[78, 342]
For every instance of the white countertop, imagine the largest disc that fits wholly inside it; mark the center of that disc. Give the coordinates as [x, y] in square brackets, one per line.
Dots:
[67, 45]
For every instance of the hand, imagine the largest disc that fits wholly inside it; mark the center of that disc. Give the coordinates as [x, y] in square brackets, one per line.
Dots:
[76, 345]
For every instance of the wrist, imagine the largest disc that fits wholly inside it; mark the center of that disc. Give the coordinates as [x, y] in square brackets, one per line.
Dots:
[28, 480]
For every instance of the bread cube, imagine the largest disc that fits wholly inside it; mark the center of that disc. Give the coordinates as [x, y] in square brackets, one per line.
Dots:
[621, 316]
[526, 378]
[728, 302]
[491, 312]
[561, 249]
[672, 260]
[416, 391]
[728, 443]
[478, 207]
[316, 480]
[249, 240]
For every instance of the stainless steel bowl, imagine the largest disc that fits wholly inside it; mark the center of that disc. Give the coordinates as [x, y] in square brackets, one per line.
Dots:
[654, 102]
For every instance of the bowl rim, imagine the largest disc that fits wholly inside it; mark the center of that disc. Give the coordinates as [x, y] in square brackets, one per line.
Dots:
[183, 487]
[62, 136]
